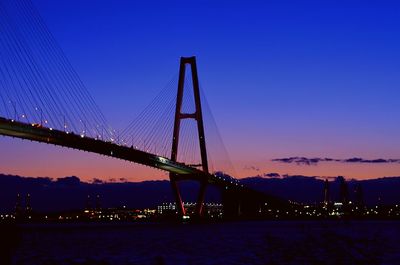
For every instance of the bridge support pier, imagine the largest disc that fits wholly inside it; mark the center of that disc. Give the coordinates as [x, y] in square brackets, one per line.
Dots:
[177, 194]
[198, 117]
[200, 199]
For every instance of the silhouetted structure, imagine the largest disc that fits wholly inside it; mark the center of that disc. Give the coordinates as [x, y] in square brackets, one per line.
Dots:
[28, 207]
[359, 195]
[18, 207]
[344, 194]
[98, 203]
[88, 203]
[326, 192]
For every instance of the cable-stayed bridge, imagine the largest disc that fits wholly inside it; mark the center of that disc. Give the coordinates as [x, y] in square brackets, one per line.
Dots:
[43, 99]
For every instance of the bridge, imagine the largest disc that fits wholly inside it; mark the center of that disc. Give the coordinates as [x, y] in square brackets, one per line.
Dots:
[45, 101]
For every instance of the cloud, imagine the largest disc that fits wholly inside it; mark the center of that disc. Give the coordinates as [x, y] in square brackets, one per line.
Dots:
[304, 160]
[314, 161]
[373, 161]
[272, 175]
[251, 168]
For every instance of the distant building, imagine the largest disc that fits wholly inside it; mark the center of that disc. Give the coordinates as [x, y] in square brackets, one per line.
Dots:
[166, 208]
[213, 210]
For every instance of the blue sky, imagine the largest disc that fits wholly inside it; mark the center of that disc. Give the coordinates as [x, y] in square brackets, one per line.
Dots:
[283, 78]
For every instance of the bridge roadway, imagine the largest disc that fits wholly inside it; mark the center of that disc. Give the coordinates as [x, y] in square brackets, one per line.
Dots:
[68, 139]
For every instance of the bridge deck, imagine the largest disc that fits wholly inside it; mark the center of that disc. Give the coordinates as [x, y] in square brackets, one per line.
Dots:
[71, 140]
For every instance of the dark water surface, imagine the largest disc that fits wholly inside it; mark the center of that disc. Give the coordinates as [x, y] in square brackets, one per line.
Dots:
[257, 242]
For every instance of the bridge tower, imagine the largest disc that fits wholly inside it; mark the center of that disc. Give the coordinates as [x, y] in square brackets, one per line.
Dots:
[198, 117]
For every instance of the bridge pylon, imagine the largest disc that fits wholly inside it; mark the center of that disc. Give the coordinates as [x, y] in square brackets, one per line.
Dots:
[198, 117]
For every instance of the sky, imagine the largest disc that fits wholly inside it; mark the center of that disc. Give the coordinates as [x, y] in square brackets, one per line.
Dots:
[284, 79]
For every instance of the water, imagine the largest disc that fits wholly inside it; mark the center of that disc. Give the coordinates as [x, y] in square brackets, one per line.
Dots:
[258, 242]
